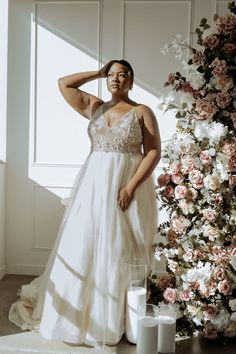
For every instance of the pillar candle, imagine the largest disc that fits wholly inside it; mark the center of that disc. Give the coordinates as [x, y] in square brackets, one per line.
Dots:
[147, 335]
[136, 296]
[166, 334]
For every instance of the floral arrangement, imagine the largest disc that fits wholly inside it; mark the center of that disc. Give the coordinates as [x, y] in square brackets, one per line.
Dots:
[198, 185]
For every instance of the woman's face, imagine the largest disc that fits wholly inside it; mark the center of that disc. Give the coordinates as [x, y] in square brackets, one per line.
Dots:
[119, 79]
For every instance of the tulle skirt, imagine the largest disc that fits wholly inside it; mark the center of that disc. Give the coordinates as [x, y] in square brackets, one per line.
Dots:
[80, 297]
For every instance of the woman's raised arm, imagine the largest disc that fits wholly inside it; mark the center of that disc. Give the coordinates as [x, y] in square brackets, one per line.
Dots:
[81, 101]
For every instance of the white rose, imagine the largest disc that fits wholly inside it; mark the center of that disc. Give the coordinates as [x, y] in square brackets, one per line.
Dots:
[233, 317]
[232, 304]
[221, 320]
[233, 262]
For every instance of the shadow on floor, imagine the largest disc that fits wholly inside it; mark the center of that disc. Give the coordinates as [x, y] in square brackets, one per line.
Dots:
[10, 285]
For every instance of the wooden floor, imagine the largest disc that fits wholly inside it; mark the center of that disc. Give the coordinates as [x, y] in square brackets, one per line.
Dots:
[8, 294]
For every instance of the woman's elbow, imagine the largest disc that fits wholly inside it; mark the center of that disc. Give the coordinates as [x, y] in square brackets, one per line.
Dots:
[155, 155]
[158, 155]
[61, 82]
[157, 158]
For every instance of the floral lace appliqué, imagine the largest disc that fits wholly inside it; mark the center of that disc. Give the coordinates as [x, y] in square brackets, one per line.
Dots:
[125, 136]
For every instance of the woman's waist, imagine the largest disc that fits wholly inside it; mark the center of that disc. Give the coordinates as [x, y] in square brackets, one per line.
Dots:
[121, 149]
[107, 150]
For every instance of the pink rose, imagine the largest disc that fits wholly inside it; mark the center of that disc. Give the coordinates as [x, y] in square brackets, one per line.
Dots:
[209, 214]
[211, 232]
[216, 249]
[224, 83]
[210, 288]
[170, 295]
[177, 178]
[219, 66]
[219, 273]
[225, 287]
[206, 108]
[211, 41]
[226, 23]
[163, 179]
[211, 311]
[197, 57]
[219, 70]
[168, 191]
[180, 192]
[205, 157]
[180, 224]
[196, 178]
[229, 47]
[223, 99]
[174, 168]
[223, 257]
[212, 182]
[184, 295]
[220, 254]
[199, 253]
[192, 194]
[187, 164]
[229, 147]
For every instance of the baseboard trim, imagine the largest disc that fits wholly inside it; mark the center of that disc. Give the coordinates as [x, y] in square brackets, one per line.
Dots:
[24, 269]
[3, 271]
[29, 269]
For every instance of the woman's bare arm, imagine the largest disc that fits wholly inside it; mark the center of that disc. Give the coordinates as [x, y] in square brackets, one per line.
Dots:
[81, 101]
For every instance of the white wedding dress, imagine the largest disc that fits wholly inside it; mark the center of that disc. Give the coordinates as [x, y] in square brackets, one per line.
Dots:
[80, 297]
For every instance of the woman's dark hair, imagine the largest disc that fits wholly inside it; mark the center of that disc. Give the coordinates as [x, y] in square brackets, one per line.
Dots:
[122, 62]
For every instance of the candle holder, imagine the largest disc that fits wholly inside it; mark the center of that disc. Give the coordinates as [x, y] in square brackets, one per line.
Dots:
[136, 295]
[166, 329]
[147, 333]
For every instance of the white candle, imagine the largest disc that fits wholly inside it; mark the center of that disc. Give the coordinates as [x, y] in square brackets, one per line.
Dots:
[147, 335]
[166, 334]
[136, 296]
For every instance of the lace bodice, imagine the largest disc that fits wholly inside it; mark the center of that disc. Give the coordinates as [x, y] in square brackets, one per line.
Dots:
[124, 136]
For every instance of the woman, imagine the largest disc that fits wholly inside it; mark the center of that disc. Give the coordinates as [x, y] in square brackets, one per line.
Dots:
[80, 298]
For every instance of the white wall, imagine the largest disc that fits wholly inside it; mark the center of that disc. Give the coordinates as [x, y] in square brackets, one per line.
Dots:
[30, 208]
[3, 119]
[40, 166]
[3, 76]
[2, 221]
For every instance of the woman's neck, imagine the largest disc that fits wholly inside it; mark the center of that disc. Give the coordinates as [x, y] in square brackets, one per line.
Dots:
[115, 100]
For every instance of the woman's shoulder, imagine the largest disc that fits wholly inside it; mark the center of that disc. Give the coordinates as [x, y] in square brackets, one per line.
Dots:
[143, 111]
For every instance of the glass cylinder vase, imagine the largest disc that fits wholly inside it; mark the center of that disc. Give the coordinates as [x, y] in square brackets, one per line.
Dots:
[166, 329]
[136, 295]
[147, 331]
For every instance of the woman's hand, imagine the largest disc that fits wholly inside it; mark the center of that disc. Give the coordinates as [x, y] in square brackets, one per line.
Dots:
[125, 197]
[104, 70]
